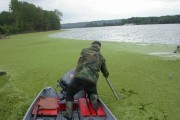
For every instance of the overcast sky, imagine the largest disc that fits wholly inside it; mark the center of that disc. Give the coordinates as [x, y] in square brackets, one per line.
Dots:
[91, 10]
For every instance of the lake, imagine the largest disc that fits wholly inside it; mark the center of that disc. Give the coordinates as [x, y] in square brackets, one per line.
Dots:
[157, 34]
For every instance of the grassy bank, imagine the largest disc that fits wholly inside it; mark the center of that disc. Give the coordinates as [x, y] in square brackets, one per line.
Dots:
[148, 86]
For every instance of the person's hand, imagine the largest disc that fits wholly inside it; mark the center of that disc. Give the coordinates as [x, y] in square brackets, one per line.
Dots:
[71, 75]
[106, 75]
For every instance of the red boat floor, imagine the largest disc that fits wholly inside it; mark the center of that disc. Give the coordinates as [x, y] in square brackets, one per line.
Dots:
[86, 108]
[62, 106]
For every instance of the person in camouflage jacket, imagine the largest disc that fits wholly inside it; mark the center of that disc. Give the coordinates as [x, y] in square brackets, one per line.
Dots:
[90, 63]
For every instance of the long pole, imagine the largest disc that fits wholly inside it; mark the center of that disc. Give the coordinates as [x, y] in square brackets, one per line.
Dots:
[112, 88]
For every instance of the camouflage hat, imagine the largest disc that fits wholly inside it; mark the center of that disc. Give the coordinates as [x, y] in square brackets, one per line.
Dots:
[96, 42]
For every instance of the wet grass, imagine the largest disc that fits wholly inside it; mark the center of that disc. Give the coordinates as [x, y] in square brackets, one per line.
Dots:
[148, 86]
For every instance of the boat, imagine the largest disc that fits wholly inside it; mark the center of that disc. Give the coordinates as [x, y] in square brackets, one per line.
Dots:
[50, 104]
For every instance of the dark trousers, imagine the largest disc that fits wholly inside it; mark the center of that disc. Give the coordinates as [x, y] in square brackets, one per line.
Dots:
[79, 84]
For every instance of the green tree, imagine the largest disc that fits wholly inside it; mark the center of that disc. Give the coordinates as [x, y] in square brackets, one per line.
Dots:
[28, 18]
[6, 18]
[6, 21]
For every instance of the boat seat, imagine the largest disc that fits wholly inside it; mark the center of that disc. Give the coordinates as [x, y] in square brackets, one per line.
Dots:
[86, 108]
[46, 107]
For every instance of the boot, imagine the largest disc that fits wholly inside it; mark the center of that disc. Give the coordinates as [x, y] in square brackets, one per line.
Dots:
[68, 113]
[93, 99]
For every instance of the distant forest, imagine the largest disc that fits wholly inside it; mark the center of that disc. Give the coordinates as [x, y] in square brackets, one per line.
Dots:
[152, 20]
[169, 19]
[25, 17]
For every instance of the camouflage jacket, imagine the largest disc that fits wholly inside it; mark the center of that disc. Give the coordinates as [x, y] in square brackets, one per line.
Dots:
[89, 64]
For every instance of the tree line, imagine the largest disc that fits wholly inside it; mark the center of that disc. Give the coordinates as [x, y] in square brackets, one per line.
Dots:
[169, 19]
[24, 17]
[152, 20]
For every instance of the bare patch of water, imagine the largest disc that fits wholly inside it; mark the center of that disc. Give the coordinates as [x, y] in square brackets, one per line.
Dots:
[166, 54]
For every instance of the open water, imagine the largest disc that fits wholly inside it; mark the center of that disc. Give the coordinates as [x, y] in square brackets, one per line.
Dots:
[158, 34]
